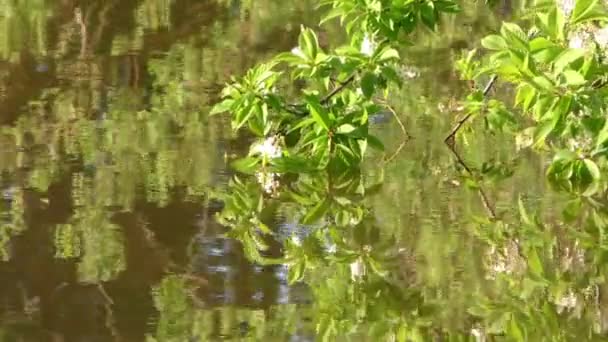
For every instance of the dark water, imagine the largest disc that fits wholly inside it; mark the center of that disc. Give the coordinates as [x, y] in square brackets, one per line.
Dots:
[108, 160]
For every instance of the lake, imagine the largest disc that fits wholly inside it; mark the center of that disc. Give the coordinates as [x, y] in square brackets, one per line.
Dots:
[113, 174]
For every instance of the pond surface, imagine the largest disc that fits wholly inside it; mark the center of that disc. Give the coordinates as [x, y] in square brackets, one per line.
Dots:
[109, 163]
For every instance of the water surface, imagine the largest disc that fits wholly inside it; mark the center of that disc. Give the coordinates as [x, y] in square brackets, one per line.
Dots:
[108, 160]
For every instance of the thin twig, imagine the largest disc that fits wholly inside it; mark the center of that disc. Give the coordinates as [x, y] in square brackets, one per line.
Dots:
[406, 135]
[482, 194]
[299, 109]
[449, 139]
[338, 89]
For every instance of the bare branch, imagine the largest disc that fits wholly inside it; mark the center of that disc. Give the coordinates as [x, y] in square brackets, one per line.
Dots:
[482, 194]
[406, 135]
[299, 109]
[450, 141]
[452, 136]
[338, 89]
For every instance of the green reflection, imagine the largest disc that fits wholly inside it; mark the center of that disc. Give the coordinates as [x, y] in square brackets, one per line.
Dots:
[394, 251]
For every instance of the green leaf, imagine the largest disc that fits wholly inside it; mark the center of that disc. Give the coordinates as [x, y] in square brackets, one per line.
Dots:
[523, 92]
[317, 212]
[296, 272]
[542, 131]
[245, 165]
[243, 115]
[593, 169]
[317, 111]
[544, 51]
[602, 136]
[514, 331]
[542, 83]
[222, 107]
[534, 262]
[566, 58]
[446, 6]
[375, 142]
[494, 42]
[368, 84]
[523, 213]
[573, 78]
[333, 13]
[388, 54]
[564, 155]
[514, 35]
[293, 164]
[345, 129]
[582, 9]
[308, 43]
[428, 15]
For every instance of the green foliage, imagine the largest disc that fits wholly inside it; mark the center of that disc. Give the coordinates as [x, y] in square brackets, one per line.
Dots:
[557, 70]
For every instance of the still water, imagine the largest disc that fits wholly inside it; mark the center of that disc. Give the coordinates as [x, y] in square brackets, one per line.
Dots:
[109, 164]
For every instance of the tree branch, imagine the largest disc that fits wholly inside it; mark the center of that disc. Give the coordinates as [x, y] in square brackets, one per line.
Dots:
[482, 194]
[450, 139]
[338, 89]
[299, 109]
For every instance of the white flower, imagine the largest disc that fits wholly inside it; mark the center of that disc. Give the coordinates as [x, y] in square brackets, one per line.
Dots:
[367, 46]
[269, 148]
[296, 240]
[601, 37]
[441, 107]
[410, 72]
[503, 261]
[567, 6]
[578, 40]
[332, 248]
[357, 270]
[479, 335]
[268, 180]
[568, 301]
[297, 51]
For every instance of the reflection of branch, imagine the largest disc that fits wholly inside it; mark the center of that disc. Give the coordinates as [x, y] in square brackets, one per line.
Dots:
[450, 139]
[482, 194]
[83, 31]
[406, 136]
[110, 321]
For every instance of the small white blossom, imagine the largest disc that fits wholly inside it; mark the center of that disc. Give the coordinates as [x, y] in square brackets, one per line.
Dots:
[296, 240]
[332, 248]
[441, 107]
[268, 180]
[357, 270]
[297, 51]
[269, 148]
[410, 73]
[567, 6]
[567, 302]
[478, 334]
[368, 46]
[502, 261]
[601, 37]
[578, 40]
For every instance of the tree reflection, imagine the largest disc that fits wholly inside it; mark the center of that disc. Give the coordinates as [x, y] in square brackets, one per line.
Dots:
[395, 252]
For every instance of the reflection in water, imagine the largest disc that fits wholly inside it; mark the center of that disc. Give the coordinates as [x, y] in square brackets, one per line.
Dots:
[108, 228]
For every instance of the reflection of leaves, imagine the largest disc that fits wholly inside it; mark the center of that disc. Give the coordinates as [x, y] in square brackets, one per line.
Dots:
[104, 256]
